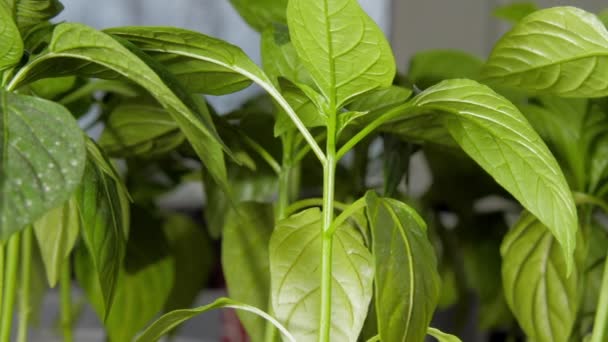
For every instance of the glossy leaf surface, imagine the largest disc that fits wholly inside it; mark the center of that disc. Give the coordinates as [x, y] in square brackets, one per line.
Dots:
[295, 256]
[497, 136]
[407, 282]
[560, 50]
[540, 294]
[345, 52]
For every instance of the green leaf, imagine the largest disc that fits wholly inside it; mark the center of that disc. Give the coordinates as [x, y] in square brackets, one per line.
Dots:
[140, 128]
[381, 99]
[104, 214]
[56, 233]
[245, 261]
[497, 136]
[11, 45]
[345, 52]
[193, 256]
[42, 152]
[203, 77]
[543, 298]
[51, 88]
[200, 47]
[279, 57]
[306, 109]
[76, 41]
[407, 282]
[561, 51]
[143, 285]
[441, 336]
[515, 12]
[260, 14]
[29, 13]
[430, 67]
[295, 255]
[562, 125]
[174, 318]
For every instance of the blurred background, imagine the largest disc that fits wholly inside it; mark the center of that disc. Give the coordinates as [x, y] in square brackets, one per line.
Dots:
[412, 26]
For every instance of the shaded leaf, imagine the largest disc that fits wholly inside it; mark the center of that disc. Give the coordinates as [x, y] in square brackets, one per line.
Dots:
[43, 154]
[104, 215]
[260, 14]
[295, 257]
[537, 288]
[29, 13]
[245, 260]
[515, 12]
[407, 282]
[430, 67]
[56, 233]
[138, 128]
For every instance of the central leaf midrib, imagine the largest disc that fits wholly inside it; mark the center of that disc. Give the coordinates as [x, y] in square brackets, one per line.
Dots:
[330, 52]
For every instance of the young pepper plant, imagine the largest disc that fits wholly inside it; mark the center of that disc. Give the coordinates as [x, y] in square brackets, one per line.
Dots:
[324, 272]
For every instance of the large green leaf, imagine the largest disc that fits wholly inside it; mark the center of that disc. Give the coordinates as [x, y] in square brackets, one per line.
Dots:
[139, 128]
[43, 157]
[143, 285]
[11, 45]
[497, 136]
[295, 274]
[537, 288]
[203, 77]
[29, 13]
[104, 214]
[197, 46]
[245, 261]
[76, 47]
[260, 14]
[560, 50]
[172, 319]
[407, 281]
[56, 233]
[345, 52]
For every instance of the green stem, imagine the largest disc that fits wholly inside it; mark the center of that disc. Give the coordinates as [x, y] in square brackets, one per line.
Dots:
[329, 179]
[284, 197]
[10, 287]
[65, 283]
[2, 251]
[268, 158]
[582, 198]
[357, 205]
[389, 115]
[24, 291]
[600, 323]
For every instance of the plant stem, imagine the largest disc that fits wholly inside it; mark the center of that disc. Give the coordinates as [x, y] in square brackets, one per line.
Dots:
[600, 324]
[285, 180]
[24, 291]
[10, 287]
[2, 251]
[329, 178]
[65, 284]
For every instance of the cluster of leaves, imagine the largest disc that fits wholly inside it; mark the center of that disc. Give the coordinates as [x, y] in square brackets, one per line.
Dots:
[372, 272]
